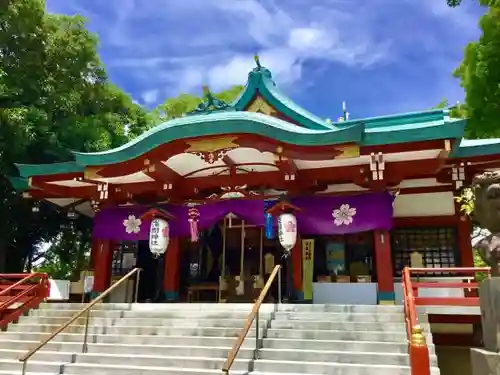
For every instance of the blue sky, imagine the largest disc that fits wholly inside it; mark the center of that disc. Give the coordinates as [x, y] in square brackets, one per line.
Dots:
[380, 56]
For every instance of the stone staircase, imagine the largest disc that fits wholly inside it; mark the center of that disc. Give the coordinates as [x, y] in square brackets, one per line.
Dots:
[185, 339]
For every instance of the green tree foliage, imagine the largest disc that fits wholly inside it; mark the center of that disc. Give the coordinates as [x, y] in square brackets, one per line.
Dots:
[479, 73]
[176, 107]
[455, 3]
[54, 97]
[68, 254]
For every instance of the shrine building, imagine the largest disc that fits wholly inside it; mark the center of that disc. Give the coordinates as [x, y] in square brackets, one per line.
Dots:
[238, 185]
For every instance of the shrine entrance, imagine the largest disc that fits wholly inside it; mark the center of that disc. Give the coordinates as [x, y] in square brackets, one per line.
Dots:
[230, 264]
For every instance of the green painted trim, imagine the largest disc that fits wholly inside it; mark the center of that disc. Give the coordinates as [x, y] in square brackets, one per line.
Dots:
[171, 295]
[386, 296]
[222, 123]
[414, 133]
[476, 147]
[29, 170]
[260, 81]
[19, 183]
[94, 295]
[407, 118]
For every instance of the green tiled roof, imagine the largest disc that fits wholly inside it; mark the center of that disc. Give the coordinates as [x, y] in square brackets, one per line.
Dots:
[308, 129]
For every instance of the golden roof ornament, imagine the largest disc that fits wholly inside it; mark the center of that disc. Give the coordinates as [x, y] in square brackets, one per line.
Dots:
[210, 104]
[257, 61]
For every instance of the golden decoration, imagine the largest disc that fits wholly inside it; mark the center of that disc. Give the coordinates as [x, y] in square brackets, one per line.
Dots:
[417, 336]
[261, 106]
[26, 195]
[348, 152]
[91, 173]
[279, 150]
[211, 144]
[30, 182]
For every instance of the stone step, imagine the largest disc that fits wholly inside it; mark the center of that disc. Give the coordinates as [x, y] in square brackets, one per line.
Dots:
[141, 322]
[19, 348]
[162, 361]
[161, 307]
[343, 317]
[65, 313]
[345, 369]
[325, 368]
[206, 307]
[40, 367]
[79, 306]
[136, 330]
[339, 345]
[127, 339]
[374, 309]
[165, 360]
[385, 336]
[197, 314]
[365, 358]
[341, 326]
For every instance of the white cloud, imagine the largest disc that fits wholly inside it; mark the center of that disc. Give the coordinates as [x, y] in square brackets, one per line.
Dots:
[216, 46]
[150, 96]
[164, 47]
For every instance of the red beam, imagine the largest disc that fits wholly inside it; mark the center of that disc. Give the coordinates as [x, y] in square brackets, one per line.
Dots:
[447, 301]
[427, 189]
[454, 319]
[431, 221]
[162, 173]
[229, 162]
[459, 285]
[454, 339]
[467, 270]
[56, 177]
[307, 177]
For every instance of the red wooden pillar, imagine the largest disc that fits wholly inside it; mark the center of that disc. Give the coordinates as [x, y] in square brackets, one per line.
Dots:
[102, 266]
[464, 229]
[172, 267]
[93, 253]
[297, 269]
[383, 262]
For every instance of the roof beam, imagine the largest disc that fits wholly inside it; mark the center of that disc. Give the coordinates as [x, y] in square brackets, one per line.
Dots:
[309, 178]
[231, 164]
[161, 173]
[287, 167]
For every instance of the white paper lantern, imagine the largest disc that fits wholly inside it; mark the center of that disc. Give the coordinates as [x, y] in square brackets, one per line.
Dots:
[159, 236]
[287, 231]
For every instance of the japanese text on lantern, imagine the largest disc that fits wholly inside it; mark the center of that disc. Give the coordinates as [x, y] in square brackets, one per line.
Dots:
[155, 230]
[290, 227]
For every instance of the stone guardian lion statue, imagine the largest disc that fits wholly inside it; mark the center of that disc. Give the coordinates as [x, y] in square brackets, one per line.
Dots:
[487, 214]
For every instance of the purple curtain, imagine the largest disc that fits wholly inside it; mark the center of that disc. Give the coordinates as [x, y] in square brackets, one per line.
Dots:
[318, 215]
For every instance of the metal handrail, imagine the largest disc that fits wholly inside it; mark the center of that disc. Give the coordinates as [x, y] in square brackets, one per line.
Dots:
[254, 315]
[22, 281]
[86, 309]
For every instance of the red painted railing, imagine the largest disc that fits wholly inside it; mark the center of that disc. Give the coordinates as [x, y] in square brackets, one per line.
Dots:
[417, 346]
[19, 293]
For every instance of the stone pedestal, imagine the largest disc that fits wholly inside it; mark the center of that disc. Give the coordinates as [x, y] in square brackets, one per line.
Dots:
[487, 361]
[484, 362]
[489, 294]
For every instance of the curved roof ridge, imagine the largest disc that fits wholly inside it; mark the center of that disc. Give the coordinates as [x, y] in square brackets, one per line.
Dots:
[260, 82]
[222, 123]
[399, 119]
